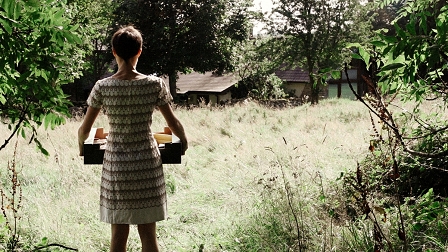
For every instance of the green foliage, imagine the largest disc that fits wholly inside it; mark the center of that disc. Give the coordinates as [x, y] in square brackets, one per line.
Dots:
[256, 73]
[426, 216]
[409, 147]
[3, 232]
[39, 54]
[428, 211]
[96, 18]
[180, 36]
[411, 64]
[413, 61]
[357, 236]
[291, 211]
[11, 204]
[312, 35]
[239, 194]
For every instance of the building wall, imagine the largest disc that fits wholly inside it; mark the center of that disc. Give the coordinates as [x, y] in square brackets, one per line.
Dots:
[225, 97]
[323, 93]
[295, 89]
[211, 98]
[340, 87]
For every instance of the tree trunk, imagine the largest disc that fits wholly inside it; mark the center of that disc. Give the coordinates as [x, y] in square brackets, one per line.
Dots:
[172, 82]
[315, 94]
[315, 89]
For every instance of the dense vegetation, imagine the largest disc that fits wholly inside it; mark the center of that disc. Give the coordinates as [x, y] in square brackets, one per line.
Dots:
[226, 195]
[391, 199]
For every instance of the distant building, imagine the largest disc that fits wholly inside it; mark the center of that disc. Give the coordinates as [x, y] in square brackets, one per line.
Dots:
[208, 87]
[196, 87]
[297, 82]
[295, 79]
[340, 88]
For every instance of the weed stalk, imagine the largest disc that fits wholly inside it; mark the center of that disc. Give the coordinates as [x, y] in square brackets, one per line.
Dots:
[11, 203]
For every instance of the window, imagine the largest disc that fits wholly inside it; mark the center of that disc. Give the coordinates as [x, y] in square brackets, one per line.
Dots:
[346, 92]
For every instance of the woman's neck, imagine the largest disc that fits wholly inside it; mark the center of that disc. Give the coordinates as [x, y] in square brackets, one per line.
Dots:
[127, 70]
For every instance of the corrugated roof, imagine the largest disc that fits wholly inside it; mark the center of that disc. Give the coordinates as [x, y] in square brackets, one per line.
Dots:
[208, 82]
[293, 75]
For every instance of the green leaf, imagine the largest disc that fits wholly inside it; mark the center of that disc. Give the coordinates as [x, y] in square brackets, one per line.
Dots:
[423, 24]
[411, 28]
[44, 241]
[33, 3]
[393, 87]
[400, 48]
[378, 43]
[41, 148]
[392, 66]
[74, 28]
[2, 99]
[59, 14]
[388, 39]
[400, 31]
[6, 6]
[6, 25]
[44, 75]
[336, 75]
[365, 55]
[356, 45]
[11, 8]
[24, 76]
[48, 120]
[417, 226]
[322, 198]
[17, 9]
[356, 56]
[77, 39]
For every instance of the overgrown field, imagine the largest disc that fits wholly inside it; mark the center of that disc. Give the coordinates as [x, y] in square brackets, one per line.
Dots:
[252, 174]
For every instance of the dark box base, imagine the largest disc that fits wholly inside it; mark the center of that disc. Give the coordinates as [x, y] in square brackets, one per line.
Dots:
[170, 152]
[94, 150]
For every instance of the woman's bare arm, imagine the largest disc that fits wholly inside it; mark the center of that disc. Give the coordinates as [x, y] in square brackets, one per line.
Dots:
[174, 124]
[86, 126]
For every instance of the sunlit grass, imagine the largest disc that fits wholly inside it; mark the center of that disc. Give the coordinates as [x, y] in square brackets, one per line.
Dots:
[215, 188]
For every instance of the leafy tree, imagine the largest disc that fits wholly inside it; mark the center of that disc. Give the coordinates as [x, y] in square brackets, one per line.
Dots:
[256, 73]
[409, 69]
[384, 15]
[40, 52]
[412, 63]
[96, 17]
[312, 35]
[184, 35]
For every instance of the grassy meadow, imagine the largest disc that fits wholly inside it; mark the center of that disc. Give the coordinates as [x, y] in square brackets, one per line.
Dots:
[246, 164]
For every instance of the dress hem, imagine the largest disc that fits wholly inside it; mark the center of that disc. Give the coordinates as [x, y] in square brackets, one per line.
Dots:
[135, 216]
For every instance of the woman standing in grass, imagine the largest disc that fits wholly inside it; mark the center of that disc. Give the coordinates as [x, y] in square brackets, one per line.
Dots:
[132, 182]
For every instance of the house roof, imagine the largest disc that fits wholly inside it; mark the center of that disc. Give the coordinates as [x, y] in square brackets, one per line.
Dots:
[208, 82]
[293, 75]
[211, 83]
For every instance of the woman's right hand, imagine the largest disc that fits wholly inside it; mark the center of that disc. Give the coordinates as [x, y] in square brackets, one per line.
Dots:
[184, 146]
[175, 125]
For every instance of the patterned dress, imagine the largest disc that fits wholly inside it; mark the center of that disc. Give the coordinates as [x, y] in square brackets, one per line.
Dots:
[132, 182]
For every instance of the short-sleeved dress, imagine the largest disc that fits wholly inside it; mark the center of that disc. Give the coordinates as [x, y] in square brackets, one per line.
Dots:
[132, 182]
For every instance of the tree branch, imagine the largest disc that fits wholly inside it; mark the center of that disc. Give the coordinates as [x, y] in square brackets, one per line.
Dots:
[392, 125]
[13, 133]
[54, 245]
[21, 119]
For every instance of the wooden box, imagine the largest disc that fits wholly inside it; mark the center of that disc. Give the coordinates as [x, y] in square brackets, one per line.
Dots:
[95, 145]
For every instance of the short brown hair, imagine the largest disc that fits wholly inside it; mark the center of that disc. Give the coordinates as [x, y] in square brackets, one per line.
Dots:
[126, 42]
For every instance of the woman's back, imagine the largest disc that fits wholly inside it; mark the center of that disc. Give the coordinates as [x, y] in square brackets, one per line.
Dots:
[132, 163]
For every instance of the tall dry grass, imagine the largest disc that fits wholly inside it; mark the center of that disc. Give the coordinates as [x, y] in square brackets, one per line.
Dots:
[216, 189]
